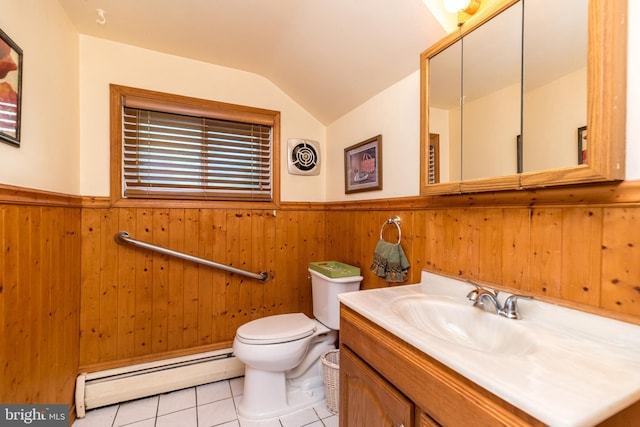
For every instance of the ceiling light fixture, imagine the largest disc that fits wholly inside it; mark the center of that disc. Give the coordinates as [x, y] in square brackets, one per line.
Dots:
[467, 6]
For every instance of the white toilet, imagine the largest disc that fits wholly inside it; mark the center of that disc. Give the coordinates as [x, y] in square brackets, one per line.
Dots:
[281, 353]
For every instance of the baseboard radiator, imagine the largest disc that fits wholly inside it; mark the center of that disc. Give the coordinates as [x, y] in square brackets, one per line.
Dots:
[102, 388]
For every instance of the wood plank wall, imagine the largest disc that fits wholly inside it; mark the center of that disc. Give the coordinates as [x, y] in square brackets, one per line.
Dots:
[39, 296]
[577, 246]
[140, 305]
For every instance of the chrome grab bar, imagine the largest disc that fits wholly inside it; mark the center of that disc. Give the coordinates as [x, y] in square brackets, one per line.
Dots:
[123, 238]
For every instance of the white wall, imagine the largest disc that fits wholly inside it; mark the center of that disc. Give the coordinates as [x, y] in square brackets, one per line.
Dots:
[48, 156]
[66, 151]
[553, 114]
[395, 114]
[103, 62]
[489, 129]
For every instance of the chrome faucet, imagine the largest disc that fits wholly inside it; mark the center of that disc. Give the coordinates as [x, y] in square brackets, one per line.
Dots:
[510, 309]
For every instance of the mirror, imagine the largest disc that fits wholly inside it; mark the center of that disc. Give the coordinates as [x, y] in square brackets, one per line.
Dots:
[555, 83]
[537, 134]
[444, 98]
[491, 94]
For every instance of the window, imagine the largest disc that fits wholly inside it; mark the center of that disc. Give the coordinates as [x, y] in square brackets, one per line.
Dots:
[173, 147]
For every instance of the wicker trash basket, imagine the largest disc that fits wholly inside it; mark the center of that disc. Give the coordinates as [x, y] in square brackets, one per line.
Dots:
[331, 370]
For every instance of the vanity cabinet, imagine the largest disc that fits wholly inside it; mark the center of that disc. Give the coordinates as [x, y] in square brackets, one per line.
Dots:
[370, 399]
[385, 381]
[424, 420]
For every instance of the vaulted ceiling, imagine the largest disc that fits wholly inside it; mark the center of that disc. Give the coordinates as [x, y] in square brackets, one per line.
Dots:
[328, 55]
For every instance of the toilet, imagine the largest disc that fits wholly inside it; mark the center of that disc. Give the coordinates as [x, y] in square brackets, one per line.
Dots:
[281, 353]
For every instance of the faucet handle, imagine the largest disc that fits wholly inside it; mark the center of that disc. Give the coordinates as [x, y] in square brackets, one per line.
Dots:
[475, 293]
[511, 306]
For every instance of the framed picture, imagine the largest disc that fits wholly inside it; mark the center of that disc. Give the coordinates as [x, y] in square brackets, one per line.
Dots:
[363, 166]
[582, 145]
[10, 90]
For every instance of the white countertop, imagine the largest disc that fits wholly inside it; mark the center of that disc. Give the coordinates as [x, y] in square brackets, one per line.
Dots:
[583, 368]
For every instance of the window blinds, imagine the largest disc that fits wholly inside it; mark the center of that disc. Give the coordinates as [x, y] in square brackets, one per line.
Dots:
[168, 155]
[432, 164]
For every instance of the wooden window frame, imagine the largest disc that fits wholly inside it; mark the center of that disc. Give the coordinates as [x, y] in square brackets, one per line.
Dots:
[191, 106]
[434, 158]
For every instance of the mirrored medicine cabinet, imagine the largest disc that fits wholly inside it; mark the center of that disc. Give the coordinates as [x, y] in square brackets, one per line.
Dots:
[527, 94]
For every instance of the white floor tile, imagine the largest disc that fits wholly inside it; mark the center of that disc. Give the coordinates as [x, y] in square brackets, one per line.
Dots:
[216, 406]
[136, 410]
[184, 418]
[177, 401]
[236, 400]
[322, 410]
[300, 418]
[237, 386]
[273, 422]
[213, 392]
[331, 421]
[150, 422]
[219, 412]
[100, 417]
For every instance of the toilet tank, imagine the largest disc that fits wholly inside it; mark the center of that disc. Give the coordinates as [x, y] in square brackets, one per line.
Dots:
[326, 306]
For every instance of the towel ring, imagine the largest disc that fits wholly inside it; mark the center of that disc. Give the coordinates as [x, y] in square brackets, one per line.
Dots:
[396, 221]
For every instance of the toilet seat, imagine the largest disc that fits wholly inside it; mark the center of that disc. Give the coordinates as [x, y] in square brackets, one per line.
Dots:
[275, 329]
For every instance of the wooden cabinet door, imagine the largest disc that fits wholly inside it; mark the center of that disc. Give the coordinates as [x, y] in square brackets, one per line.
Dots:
[424, 420]
[367, 399]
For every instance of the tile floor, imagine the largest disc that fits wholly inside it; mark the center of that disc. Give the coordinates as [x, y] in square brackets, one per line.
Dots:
[202, 406]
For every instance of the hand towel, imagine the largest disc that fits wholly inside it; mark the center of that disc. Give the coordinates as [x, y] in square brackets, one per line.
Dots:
[390, 262]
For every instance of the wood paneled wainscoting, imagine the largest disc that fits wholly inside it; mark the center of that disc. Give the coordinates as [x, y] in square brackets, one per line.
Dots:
[72, 299]
[577, 246]
[139, 305]
[39, 296]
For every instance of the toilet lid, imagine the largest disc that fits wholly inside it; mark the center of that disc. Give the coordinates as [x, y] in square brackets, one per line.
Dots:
[276, 328]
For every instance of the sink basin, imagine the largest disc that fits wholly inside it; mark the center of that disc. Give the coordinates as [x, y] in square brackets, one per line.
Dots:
[463, 324]
[562, 366]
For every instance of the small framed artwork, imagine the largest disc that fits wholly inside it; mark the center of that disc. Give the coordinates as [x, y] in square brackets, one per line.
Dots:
[10, 90]
[582, 145]
[363, 166]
